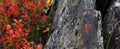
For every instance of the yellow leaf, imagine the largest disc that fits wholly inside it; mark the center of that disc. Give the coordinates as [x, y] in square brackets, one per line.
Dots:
[38, 28]
[50, 2]
[46, 30]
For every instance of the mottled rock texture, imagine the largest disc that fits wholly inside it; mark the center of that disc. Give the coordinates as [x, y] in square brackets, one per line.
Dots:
[76, 25]
[112, 26]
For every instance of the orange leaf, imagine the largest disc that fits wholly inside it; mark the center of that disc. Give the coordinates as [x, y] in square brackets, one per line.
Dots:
[40, 46]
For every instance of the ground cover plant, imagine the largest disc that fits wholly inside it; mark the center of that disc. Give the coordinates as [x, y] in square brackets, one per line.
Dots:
[22, 23]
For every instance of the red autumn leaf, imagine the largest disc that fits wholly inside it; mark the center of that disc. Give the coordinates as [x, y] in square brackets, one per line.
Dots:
[16, 21]
[2, 40]
[27, 32]
[3, 4]
[31, 4]
[14, 5]
[5, 48]
[25, 47]
[16, 12]
[9, 38]
[26, 4]
[6, 1]
[40, 46]
[20, 30]
[43, 19]
[25, 16]
[8, 27]
[21, 1]
[42, 3]
[16, 34]
[20, 20]
[1, 11]
[10, 32]
[17, 46]
[13, 11]
[13, 35]
[9, 10]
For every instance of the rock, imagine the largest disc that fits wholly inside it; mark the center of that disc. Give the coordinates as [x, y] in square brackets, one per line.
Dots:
[112, 23]
[76, 25]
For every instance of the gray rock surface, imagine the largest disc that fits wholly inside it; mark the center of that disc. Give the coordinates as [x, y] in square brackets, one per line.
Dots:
[76, 25]
[112, 21]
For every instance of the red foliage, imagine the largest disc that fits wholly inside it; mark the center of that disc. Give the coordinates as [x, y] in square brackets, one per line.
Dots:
[15, 17]
[43, 19]
[21, 1]
[25, 16]
[15, 12]
[8, 27]
[2, 11]
[40, 46]
[3, 4]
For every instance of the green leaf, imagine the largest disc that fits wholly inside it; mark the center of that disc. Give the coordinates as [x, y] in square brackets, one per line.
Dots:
[1, 0]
